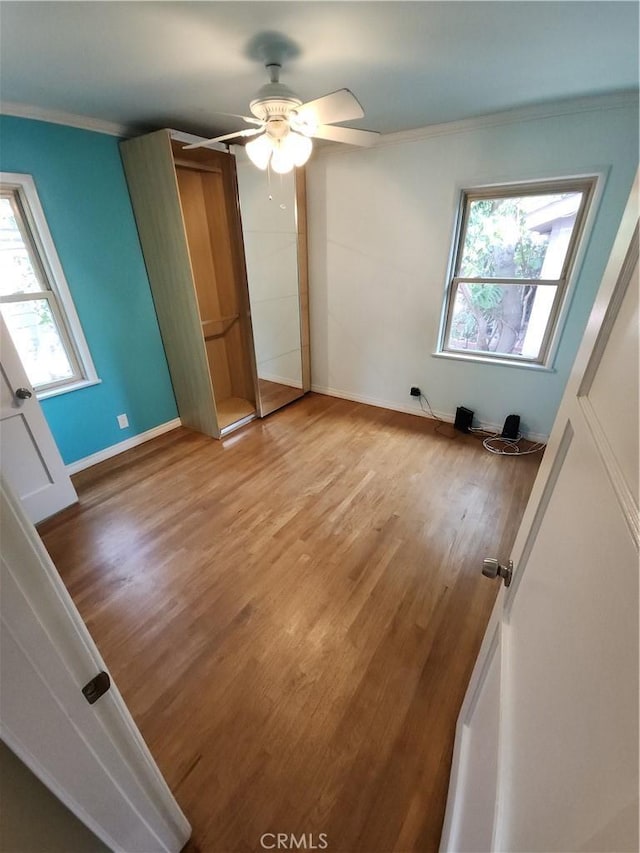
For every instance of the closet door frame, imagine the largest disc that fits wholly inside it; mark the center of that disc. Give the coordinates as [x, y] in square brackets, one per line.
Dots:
[153, 186]
[303, 276]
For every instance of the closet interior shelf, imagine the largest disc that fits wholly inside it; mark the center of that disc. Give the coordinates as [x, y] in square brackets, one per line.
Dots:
[218, 327]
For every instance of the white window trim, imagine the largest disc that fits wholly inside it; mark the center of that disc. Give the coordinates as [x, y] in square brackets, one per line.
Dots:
[598, 175]
[33, 211]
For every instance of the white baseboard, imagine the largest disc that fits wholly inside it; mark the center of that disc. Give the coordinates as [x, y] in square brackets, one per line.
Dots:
[416, 410]
[135, 440]
[121, 446]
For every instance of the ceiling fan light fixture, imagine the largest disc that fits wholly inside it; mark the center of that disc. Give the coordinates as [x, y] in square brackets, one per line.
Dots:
[281, 161]
[259, 151]
[298, 147]
[290, 151]
[283, 154]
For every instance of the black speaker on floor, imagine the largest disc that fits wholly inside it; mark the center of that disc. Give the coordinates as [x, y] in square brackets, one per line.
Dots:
[511, 428]
[464, 419]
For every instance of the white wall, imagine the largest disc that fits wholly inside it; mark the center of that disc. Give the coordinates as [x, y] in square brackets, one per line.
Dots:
[381, 225]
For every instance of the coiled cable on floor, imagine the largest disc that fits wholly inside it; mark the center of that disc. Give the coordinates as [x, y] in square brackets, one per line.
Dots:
[509, 446]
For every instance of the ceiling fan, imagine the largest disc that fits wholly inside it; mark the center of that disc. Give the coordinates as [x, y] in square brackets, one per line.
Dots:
[285, 125]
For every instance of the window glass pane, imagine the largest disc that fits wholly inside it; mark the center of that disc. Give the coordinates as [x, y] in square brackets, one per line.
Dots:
[16, 270]
[519, 237]
[501, 319]
[37, 338]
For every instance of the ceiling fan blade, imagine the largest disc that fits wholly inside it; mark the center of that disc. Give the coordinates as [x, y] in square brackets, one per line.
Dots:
[329, 109]
[248, 119]
[250, 131]
[363, 138]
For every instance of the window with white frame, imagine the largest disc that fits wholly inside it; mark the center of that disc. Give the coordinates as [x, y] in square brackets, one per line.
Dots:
[35, 301]
[513, 257]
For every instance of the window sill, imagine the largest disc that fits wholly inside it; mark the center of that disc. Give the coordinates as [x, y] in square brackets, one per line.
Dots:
[503, 362]
[65, 389]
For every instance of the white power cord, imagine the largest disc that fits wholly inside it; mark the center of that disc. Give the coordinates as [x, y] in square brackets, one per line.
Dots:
[509, 446]
[494, 443]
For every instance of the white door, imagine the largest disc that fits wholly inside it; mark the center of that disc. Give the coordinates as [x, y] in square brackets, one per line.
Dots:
[91, 756]
[30, 459]
[546, 752]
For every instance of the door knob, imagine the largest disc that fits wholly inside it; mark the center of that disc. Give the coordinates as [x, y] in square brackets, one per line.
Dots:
[491, 568]
[23, 394]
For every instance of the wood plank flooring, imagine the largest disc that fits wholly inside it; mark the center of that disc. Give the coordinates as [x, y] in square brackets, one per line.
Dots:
[292, 614]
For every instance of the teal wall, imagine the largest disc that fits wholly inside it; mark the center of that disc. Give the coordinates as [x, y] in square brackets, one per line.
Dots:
[81, 184]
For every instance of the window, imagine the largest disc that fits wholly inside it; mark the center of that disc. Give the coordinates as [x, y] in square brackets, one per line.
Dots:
[35, 301]
[512, 261]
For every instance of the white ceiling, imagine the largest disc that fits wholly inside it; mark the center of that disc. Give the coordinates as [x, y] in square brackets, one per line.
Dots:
[411, 64]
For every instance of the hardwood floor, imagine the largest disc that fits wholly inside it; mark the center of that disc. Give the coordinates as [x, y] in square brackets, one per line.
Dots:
[292, 614]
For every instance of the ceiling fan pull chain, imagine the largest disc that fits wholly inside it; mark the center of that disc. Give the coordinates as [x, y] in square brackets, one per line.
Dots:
[282, 194]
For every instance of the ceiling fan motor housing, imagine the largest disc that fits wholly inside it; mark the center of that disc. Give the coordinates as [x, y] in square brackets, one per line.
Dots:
[274, 100]
[277, 127]
[287, 123]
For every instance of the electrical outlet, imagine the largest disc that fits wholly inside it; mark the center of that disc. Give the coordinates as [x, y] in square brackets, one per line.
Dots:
[123, 421]
[415, 391]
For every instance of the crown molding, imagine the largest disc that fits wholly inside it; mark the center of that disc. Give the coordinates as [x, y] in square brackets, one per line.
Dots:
[98, 125]
[550, 109]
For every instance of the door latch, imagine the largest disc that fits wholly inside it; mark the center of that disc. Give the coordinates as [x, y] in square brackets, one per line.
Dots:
[97, 687]
[491, 568]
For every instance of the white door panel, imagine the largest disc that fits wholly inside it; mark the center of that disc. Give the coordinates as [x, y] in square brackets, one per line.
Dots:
[82, 779]
[573, 689]
[30, 459]
[564, 737]
[92, 757]
[479, 759]
[23, 464]
[614, 392]
[615, 835]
